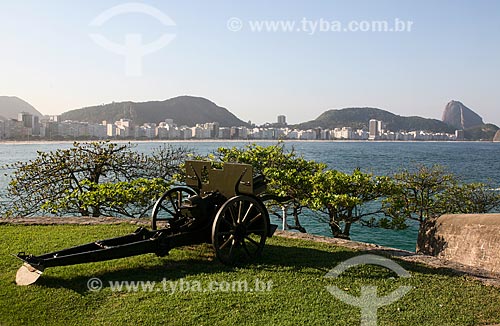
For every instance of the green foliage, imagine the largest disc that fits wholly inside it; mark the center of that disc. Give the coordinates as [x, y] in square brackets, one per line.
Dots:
[125, 198]
[428, 192]
[416, 193]
[309, 184]
[471, 198]
[69, 181]
[287, 175]
[343, 195]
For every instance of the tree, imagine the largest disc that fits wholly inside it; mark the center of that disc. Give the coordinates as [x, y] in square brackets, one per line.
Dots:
[428, 192]
[469, 198]
[125, 198]
[415, 194]
[308, 185]
[343, 195]
[288, 176]
[90, 179]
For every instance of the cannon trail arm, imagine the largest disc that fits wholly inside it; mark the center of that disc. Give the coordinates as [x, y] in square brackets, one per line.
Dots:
[142, 241]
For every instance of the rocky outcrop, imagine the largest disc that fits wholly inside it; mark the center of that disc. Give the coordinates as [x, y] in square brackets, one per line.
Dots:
[461, 117]
[496, 138]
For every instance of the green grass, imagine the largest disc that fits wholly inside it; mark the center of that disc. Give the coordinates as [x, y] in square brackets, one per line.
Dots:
[296, 269]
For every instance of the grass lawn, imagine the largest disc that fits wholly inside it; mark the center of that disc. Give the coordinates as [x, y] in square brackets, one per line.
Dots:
[292, 288]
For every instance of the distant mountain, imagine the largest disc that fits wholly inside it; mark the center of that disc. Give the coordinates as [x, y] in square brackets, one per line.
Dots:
[358, 118]
[461, 117]
[11, 106]
[481, 132]
[184, 110]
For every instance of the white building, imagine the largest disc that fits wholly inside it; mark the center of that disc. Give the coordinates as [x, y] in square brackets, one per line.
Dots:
[111, 130]
[307, 134]
[98, 131]
[185, 133]
[325, 134]
[293, 134]
[346, 133]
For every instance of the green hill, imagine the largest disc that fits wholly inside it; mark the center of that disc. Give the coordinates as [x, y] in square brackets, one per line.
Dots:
[483, 132]
[358, 118]
[11, 106]
[184, 110]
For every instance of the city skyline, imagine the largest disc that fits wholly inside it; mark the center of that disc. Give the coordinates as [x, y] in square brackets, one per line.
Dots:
[51, 128]
[447, 53]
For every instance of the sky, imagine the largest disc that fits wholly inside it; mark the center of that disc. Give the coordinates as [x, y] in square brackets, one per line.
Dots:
[310, 57]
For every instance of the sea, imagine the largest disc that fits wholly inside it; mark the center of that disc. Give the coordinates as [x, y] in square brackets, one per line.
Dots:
[470, 161]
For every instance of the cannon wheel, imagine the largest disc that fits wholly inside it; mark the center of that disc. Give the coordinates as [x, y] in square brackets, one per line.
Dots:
[240, 230]
[168, 206]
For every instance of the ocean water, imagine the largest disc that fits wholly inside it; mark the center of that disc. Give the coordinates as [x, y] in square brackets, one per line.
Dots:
[471, 161]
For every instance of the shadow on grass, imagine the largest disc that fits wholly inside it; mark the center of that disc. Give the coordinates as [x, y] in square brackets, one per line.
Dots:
[164, 270]
[297, 257]
[274, 259]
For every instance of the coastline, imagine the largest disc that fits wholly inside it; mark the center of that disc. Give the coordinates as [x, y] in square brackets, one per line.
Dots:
[249, 141]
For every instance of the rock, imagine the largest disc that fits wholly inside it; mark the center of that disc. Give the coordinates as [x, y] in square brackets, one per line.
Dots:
[469, 239]
[461, 117]
[496, 138]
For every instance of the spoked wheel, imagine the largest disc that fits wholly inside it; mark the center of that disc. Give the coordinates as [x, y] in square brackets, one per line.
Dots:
[240, 230]
[168, 206]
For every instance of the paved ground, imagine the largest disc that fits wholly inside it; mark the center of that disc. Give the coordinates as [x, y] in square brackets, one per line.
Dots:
[486, 277]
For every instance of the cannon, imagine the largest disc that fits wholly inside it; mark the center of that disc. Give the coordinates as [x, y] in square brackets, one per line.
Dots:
[220, 206]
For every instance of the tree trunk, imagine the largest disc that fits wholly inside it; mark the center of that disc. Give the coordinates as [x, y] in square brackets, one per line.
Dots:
[336, 231]
[335, 227]
[297, 226]
[96, 212]
[347, 230]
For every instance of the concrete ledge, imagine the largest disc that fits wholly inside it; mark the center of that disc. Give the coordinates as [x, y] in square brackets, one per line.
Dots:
[470, 239]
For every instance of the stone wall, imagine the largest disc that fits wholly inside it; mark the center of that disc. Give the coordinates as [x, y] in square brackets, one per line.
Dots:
[470, 239]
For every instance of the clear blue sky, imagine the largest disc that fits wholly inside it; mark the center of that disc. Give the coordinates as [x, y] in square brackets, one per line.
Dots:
[451, 52]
